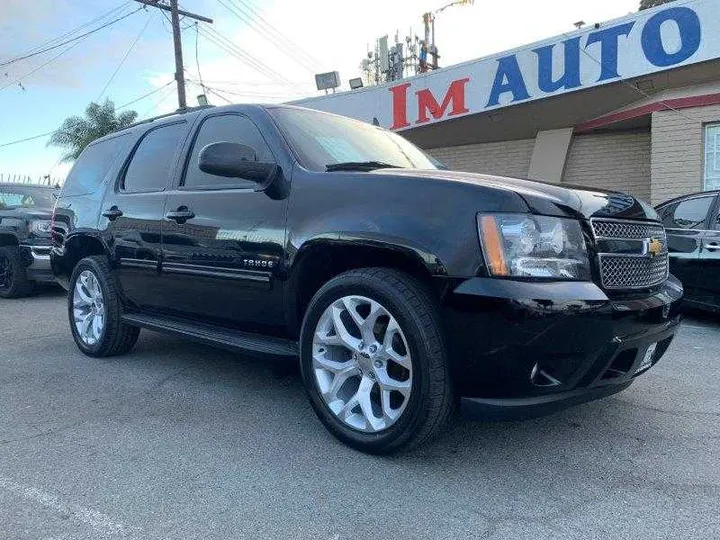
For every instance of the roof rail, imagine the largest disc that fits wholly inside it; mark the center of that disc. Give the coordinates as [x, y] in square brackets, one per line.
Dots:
[184, 110]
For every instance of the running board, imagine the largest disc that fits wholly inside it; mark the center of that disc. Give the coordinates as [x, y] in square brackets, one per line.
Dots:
[212, 335]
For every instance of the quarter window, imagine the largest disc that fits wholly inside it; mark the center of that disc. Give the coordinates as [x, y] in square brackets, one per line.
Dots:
[93, 165]
[689, 214]
[226, 128]
[712, 157]
[153, 158]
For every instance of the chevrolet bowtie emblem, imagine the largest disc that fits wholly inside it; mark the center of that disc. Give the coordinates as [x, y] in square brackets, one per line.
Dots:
[654, 247]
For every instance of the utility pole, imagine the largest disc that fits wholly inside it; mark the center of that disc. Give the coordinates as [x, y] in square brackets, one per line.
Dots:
[175, 13]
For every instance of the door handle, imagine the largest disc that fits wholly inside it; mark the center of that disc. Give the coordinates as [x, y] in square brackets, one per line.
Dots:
[112, 213]
[181, 215]
[714, 246]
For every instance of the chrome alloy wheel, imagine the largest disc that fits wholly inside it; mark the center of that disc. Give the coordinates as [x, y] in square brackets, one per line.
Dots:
[362, 363]
[88, 308]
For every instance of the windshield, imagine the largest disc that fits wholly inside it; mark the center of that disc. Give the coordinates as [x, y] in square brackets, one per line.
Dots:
[323, 140]
[24, 197]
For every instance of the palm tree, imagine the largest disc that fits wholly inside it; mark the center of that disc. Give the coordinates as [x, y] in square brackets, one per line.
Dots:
[76, 133]
[647, 4]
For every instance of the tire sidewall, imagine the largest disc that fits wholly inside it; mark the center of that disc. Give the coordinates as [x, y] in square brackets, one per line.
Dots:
[102, 344]
[404, 428]
[19, 274]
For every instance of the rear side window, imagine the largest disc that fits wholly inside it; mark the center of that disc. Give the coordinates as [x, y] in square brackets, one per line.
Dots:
[153, 158]
[225, 128]
[689, 214]
[93, 165]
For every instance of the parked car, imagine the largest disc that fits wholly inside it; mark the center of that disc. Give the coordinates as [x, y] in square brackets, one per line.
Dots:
[693, 228]
[403, 288]
[25, 213]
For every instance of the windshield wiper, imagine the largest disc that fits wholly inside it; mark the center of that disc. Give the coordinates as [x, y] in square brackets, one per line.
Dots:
[359, 166]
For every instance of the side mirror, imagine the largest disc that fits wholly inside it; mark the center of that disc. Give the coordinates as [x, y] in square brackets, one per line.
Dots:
[233, 160]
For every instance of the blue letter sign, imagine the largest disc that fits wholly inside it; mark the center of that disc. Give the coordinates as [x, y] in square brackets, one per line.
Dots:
[688, 25]
[608, 40]
[508, 69]
[571, 76]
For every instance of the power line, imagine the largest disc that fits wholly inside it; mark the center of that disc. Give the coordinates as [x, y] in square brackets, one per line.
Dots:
[132, 46]
[28, 139]
[76, 38]
[41, 135]
[75, 30]
[278, 35]
[38, 68]
[144, 96]
[228, 46]
[197, 56]
[263, 31]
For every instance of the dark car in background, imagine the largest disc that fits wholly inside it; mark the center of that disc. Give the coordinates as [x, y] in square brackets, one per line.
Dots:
[402, 288]
[692, 223]
[25, 223]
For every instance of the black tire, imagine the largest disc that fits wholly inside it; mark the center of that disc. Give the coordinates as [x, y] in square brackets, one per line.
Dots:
[14, 282]
[430, 404]
[116, 337]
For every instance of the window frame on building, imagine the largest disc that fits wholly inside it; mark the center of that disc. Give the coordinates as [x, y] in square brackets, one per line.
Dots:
[711, 157]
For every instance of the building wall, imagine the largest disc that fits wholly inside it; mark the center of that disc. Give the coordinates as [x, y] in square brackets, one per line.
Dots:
[618, 161]
[677, 151]
[508, 158]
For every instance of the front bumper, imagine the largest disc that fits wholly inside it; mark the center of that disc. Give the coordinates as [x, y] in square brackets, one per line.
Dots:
[523, 349]
[37, 263]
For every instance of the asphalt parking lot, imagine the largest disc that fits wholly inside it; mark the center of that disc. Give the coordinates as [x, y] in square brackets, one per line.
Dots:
[181, 441]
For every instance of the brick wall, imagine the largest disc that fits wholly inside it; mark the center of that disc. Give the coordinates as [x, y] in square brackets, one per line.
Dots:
[509, 158]
[618, 161]
[677, 151]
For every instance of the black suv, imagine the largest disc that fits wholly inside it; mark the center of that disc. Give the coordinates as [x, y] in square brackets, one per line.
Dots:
[403, 288]
[25, 212]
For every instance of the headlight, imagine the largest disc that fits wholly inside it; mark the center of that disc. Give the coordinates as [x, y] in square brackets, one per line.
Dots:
[41, 226]
[525, 245]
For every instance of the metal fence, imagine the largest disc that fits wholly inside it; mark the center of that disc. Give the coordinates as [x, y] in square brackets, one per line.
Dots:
[44, 180]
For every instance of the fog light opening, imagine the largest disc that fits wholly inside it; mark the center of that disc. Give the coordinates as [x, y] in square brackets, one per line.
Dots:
[540, 377]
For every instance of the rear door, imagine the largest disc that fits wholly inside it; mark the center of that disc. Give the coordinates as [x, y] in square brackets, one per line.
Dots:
[686, 222]
[132, 212]
[223, 255]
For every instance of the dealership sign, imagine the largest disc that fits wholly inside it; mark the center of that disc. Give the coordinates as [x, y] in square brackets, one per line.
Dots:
[641, 44]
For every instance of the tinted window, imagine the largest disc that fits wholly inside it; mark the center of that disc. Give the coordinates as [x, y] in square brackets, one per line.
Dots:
[226, 128]
[690, 214]
[153, 158]
[93, 165]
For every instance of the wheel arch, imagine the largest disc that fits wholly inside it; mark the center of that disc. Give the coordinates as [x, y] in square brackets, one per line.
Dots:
[323, 258]
[76, 248]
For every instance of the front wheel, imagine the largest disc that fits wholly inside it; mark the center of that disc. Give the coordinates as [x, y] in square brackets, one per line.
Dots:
[373, 360]
[95, 311]
[14, 281]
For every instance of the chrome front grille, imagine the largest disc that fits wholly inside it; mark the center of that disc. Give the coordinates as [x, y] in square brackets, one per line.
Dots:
[631, 254]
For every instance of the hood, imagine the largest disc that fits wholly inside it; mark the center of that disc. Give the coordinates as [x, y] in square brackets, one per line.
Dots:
[547, 199]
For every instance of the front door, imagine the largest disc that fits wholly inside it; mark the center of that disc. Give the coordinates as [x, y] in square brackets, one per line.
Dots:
[223, 242]
[686, 225]
[132, 213]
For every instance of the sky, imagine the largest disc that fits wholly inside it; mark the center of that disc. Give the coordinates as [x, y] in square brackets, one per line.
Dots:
[38, 93]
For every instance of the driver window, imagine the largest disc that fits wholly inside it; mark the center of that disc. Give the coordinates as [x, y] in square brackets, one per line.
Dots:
[225, 128]
[689, 214]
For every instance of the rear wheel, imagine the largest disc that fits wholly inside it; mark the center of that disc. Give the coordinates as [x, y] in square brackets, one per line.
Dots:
[14, 282]
[95, 311]
[373, 360]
